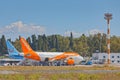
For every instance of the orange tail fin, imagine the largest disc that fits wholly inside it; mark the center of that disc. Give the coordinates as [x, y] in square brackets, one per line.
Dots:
[25, 46]
[27, 50]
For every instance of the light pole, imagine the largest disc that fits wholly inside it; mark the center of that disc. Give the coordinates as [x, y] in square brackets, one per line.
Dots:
[101, 34]
[108, 17]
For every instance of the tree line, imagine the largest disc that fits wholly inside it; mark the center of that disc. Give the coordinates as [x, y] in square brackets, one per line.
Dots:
[84, 45]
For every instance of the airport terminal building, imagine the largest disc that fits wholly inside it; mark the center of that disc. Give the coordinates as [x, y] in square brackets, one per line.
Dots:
[101, 58]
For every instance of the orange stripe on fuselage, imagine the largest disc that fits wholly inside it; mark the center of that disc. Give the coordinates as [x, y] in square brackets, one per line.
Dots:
[27, 50]
[71, 53]
[64, 55]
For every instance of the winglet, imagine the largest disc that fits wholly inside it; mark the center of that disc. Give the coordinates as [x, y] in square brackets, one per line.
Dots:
[27, 50]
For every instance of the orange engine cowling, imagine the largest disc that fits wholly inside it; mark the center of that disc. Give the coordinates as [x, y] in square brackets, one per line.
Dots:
[70, 61]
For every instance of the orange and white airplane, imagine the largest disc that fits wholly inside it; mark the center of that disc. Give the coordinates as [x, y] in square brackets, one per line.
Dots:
[41, 56]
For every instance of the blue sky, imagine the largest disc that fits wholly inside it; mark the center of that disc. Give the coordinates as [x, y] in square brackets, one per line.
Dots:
[60, 16]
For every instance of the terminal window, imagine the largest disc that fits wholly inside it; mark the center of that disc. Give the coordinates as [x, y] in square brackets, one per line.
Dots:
[112, 56]
[103, 56]
[112, 61]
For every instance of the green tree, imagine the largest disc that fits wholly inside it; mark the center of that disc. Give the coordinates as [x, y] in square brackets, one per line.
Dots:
[103, 43]
[29, 41]
[71, 42]
[34, 42]
[17, 45]
[3, 45]
[45, 43]
[64, 44]
[90, 43]
[81, 45]
[40, 42]
[115, 44]
[57, 43]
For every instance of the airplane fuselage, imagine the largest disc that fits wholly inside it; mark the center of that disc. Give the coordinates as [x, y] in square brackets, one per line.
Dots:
[43, 55]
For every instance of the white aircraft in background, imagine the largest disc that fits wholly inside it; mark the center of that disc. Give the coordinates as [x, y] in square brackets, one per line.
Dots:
[15, 57]
[52, 56]
[13, 53]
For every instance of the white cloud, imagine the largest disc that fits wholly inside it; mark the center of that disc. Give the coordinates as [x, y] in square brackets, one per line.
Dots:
[19, 28]
[87, 33]
[95, 31]
[75, 34]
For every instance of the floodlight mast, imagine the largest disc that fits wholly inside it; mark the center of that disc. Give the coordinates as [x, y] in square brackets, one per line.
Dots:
[108, 17]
